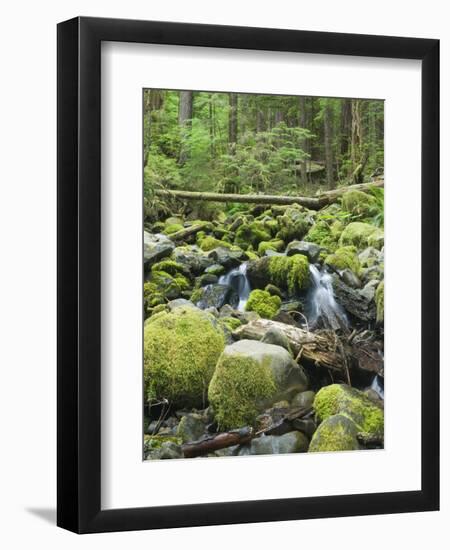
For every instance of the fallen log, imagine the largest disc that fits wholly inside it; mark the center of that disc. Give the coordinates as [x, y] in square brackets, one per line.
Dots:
[320, 348]
[219, 441]
[314, 203]
[188, 232]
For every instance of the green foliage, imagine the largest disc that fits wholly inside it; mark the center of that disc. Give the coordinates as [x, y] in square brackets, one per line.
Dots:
[239, 383]
[181, 349]
[263, 303]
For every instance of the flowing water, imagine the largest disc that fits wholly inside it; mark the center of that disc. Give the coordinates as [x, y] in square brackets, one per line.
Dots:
[378, 385]
[323, 310]
[237, 279]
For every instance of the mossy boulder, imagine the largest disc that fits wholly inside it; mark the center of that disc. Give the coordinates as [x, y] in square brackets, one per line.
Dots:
[193, 258]
[336, 433]
[170, 267]
[251, 376]
[210, 243]
[344, 257]
[352, 403]
[230, 323]
[293, 224]
[288, 273]
[275, 244]
[325, 234]
[265, 304]
[181, 349]
[172, 228]
[358, 203]
[379, 300]
[249, 235]
[362, 235]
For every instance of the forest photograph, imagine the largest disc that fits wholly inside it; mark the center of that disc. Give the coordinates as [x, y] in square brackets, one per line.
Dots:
[263, 262]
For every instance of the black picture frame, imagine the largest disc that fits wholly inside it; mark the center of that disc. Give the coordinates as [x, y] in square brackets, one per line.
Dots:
[79, 281]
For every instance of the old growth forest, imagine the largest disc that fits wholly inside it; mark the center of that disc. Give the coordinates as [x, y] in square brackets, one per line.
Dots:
[263, 274]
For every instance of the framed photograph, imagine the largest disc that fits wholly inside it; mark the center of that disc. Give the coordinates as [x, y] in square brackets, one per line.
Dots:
[248, 259]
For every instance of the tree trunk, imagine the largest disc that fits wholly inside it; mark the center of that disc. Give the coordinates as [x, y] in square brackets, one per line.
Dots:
[232, 121]
[185, 122]
[304, 143]
[328, 140]
[314, 203]
[356, 134]
[216, 442]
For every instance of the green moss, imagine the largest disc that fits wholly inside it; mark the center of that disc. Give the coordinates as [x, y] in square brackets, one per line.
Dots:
[238, 385]
[292, 225]
[361, 235]
[154, 442]
[379, 300]
[263, 303]
[251, 234]
[344, 258]
[290, 272]
[168, 266]
[336, 433]
[209, 243]
[180, 352]
[359, 204]
[341, 399]
[275, 245]
[172, 228]
[231, 323]
[196, 295]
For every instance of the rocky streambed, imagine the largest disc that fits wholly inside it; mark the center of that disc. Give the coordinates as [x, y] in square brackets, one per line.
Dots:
[263, 331]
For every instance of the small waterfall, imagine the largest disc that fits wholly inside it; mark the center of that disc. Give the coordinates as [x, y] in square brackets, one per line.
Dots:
[323, 309]
[378, 385]
[237, 279]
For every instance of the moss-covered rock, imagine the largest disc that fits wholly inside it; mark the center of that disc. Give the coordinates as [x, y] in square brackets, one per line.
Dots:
[344, 257]
[275, 244]
[263, 303]
[180, 352]
[231, 323]
[358, 203]
[293, 224]
[172, 228]
[361, 235]
[251, 234]
[379, 300]
[350, 402]
[249, 377]
[288, 273]
[169, 266]
[336, 433]
[210, 243]
[325, 234]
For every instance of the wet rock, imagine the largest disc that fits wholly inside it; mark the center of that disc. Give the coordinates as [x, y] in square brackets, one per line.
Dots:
[350, 278]
[193, 258]
[303, 399]
[213, 311]
[169, 450]
[215, 269]
[207, 279]
[216, 296]
[156, 247]
[354, 301]
[310, 250]
[292, 442]
[305, 425]
[191, 427]
[276, 337]
[227, 257]
[227, 311]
